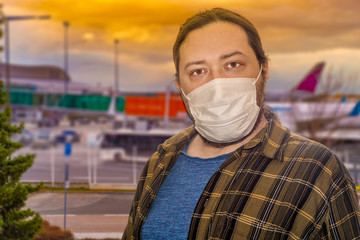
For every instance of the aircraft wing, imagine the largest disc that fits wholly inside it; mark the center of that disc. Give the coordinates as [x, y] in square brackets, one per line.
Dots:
[339, 134]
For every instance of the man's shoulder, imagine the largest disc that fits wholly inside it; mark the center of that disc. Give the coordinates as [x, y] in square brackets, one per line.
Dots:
[312, 151]
[297, 140]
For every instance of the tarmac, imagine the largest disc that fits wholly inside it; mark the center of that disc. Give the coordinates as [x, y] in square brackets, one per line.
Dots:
[91, 226]
[96, 214]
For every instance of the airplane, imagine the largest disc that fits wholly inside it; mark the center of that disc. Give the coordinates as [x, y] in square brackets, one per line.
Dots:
[301, 109]
[304, 90]
[340, 127]
[299, 116]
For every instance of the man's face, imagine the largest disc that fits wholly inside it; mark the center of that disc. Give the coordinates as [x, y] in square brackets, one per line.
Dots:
[217, 50]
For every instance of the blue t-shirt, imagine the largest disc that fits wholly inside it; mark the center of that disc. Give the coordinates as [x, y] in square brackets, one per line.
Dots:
[170, 215]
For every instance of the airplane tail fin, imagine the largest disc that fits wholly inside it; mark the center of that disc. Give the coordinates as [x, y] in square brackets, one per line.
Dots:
[310, 81]
[356, 110]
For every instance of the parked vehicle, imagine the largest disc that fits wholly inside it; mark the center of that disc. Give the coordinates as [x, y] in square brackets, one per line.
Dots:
[71, 135]
[25, 137]
[43, 138]
[48, 122]
[129, 144]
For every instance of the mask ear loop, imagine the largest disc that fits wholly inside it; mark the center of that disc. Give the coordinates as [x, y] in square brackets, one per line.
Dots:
[184, 94]
[186, 103]
[258, 74]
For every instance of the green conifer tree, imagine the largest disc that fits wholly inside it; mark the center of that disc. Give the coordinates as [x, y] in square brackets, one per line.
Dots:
[16, 223]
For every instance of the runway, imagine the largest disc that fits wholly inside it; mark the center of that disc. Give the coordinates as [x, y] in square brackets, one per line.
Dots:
[89, 214]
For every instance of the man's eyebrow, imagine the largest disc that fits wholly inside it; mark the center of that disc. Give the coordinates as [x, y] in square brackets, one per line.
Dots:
[222, 57]
[233, 54]
[194, 63]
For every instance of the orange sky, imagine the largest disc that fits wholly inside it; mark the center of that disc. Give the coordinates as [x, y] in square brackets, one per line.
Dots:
[295, 34]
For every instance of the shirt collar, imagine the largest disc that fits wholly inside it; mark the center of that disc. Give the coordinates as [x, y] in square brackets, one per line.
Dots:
[272, 137]
[178, 141]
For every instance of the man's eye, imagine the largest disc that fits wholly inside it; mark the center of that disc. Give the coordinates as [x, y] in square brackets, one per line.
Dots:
[233, 65]
[197, 72]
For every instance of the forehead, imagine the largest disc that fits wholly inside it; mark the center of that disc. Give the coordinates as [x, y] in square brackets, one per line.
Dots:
[215, 38]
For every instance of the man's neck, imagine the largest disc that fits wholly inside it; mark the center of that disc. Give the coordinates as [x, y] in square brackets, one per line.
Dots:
[199, 148]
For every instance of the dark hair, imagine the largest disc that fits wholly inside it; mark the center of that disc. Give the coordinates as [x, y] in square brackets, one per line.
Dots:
[218, 15]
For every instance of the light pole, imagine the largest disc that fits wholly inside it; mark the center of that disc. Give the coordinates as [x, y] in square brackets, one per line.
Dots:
[116, 67]
[66, 57]
[7, 20]
[116, 93]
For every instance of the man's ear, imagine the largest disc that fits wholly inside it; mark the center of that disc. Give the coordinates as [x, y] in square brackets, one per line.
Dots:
[177, 84]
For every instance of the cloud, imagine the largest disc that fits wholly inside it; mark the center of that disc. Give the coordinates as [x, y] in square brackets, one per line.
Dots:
[285, 25]
[295, 34]
[88, 36]
[135, 73]
[310, 25]
[106, 14]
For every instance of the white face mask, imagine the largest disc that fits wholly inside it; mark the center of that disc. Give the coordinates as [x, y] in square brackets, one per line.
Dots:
[224, 109]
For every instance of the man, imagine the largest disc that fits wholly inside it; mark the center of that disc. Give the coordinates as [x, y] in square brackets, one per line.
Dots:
[237, 173]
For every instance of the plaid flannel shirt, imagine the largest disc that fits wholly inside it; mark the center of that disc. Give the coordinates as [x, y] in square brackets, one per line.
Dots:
[277, 186]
